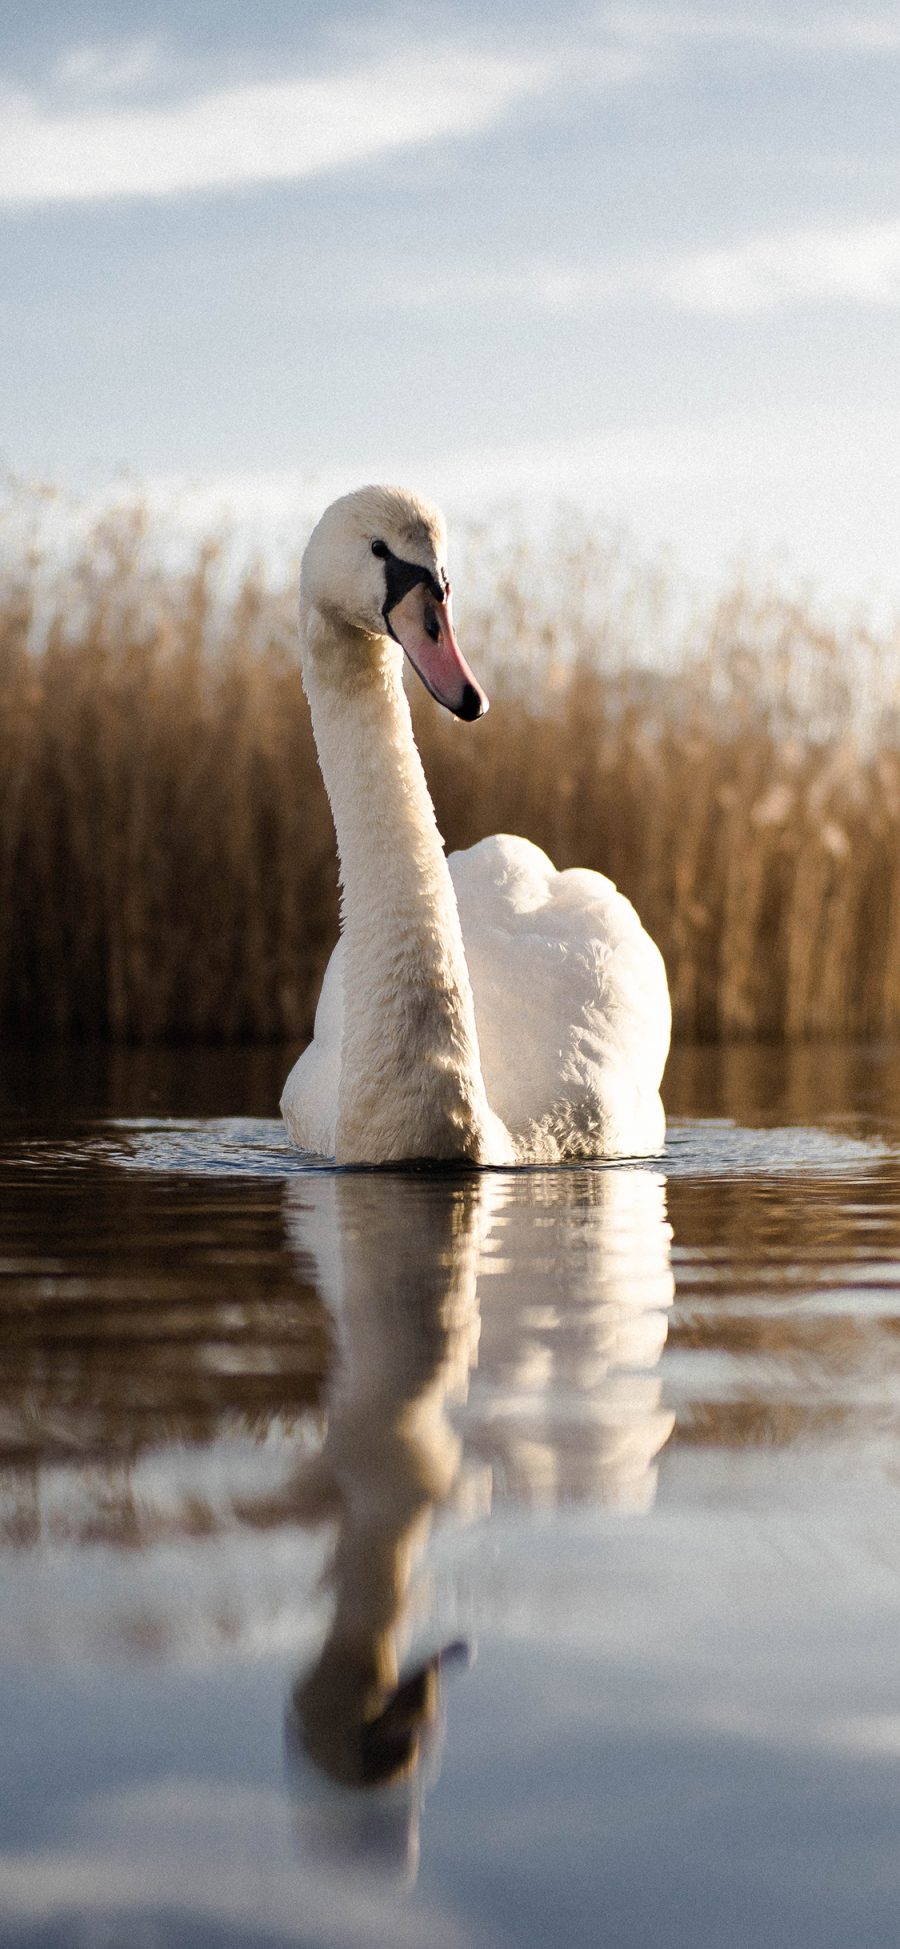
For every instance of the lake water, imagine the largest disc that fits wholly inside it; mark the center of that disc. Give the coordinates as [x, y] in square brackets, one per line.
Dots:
[420, 1559]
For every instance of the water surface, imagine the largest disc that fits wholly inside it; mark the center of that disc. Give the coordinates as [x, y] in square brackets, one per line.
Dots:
[415, 1558]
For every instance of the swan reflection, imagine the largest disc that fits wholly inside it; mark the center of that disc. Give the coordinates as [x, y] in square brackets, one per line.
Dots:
[576, 1283]
[495, 1335]
[397, 1264]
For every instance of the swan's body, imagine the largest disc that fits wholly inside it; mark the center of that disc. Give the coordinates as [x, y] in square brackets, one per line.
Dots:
[570, 1007]
[485, 1008]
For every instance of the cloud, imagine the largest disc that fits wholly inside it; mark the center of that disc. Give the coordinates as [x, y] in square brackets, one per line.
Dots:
[859, 264]
[266, 132]
[795, 493]
[792, 494]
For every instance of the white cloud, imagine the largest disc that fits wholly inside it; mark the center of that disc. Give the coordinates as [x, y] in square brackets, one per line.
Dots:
[255, 133]
[791, 494]
[859, 264]
[787, 494]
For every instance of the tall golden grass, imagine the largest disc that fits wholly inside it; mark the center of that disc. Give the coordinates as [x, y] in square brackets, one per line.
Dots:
[167, 862]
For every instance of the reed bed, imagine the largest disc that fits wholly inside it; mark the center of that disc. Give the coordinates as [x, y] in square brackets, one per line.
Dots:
[167, 861]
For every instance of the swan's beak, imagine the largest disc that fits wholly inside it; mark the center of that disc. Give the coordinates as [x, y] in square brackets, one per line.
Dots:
[424, 628]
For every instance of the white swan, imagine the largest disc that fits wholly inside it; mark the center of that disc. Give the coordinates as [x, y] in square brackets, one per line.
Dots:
[483, 1008]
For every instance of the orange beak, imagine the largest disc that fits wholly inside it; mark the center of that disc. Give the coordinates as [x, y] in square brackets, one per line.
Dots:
[424, 629]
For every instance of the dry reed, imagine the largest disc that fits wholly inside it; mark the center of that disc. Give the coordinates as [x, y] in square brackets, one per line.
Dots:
[167, 866]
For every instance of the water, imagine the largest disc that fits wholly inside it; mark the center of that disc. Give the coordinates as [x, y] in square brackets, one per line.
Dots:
[453, 1560]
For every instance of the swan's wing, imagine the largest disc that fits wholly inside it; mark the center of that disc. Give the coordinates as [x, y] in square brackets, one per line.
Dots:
[571, 1004]
[310, 1097]
[571, 1001]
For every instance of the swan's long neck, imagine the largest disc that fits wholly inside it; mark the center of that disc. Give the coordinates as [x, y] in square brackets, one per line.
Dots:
[410, 1081]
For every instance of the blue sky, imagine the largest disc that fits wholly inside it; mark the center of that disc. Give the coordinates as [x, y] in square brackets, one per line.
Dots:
[644, 258]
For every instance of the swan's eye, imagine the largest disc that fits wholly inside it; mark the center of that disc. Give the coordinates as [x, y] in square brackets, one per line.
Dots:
[381, 549]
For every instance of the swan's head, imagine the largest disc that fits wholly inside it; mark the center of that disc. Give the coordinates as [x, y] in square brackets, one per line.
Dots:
[376, 562]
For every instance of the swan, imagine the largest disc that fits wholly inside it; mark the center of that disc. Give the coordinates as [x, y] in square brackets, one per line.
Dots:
[485, 1008]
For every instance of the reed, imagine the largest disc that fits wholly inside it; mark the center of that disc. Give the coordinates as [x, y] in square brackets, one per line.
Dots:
[167, 867]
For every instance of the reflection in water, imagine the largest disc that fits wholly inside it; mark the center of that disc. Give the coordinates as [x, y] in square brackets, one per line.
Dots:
[396, 1262]
[423, 1343]
[168, 1342]
[567, 1404]
[576, 1288]
[399, 1276]
[219, 1380]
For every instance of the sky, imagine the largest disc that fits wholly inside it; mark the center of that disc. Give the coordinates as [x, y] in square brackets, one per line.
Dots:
[642, 260]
